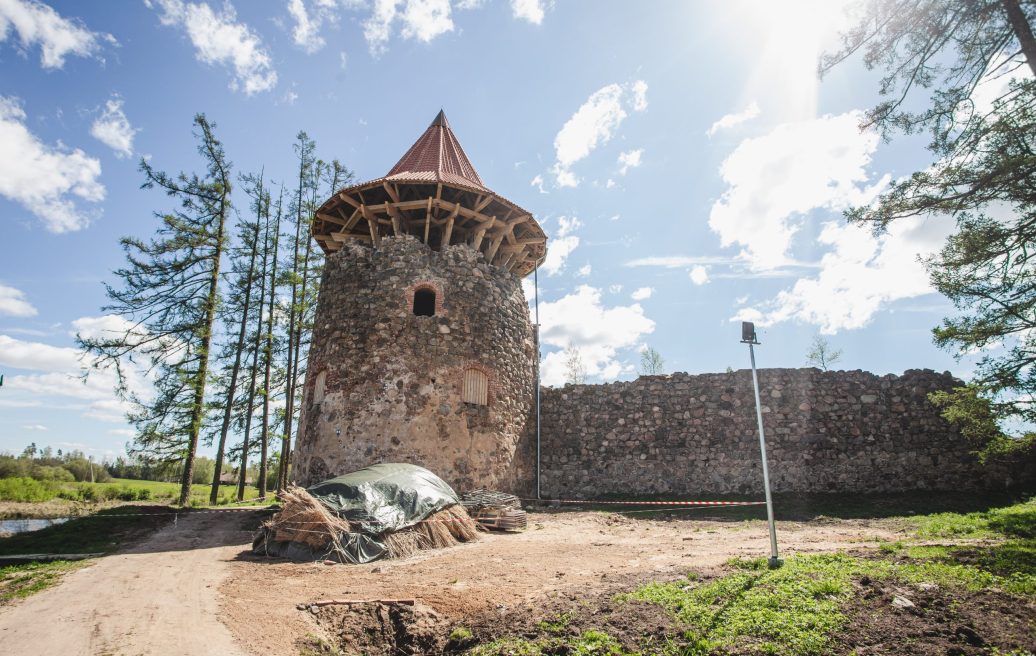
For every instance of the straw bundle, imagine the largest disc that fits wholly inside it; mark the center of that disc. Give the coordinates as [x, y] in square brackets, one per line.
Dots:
[446, 528]
[304, 519]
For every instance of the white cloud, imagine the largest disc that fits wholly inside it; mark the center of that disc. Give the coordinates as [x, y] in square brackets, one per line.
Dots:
[642, 294]
[105, 326]
[423, 20]
[584, 271]
[219, 39]
[38, 24]
[678, 261]
[530, 10]
[615, 289]
[34, 427]
[123, 432]
[640, 88]
[465, 5]
[42, 178]
[562, 244]
[594, 124]
[731, 120]
[538, 183]
[306, 33]
[859, 275]
[113, 129]
[598, 332]
[567, 225]
[36, 356]
[775, 179]
[699, 275]
[558, 252]
[630, 159]
[13, 303]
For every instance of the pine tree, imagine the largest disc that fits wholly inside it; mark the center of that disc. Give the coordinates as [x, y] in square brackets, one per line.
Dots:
[270, 255]
[236, 312]
[303, 204]
[264, 209]
[169, 295]
[934, 55]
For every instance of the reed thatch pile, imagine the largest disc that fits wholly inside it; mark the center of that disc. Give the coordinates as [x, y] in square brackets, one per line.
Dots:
[305, 519]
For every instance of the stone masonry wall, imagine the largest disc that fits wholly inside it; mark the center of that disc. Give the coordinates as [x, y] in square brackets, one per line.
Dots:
[393, 380]
[845, 431]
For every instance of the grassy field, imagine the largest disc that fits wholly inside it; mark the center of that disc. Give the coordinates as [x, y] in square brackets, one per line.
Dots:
[57, 499]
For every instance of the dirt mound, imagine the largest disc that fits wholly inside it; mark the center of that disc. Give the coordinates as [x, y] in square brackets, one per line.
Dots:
[927, 620]
[378, 628]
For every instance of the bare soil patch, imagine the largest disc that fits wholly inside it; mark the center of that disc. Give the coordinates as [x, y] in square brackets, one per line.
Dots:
[938, 623]
[562, 557]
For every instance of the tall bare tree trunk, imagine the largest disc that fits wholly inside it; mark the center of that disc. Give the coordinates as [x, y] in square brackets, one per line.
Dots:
[268, 354]
[232, 388]
[198, 410]
[1022, 30]
[245, 445]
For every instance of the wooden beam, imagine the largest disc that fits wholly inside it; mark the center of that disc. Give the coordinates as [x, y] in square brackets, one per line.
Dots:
[330, 219]
[372, 225]
[493, 248]
[427, 220]
[484, 202]
[346, 236]
[478, 238]
[353, 219]
[391, 191]
[349, 199]
[396, 220]
[449, 227]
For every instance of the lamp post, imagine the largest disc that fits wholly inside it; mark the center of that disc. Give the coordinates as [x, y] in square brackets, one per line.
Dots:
[748, 336]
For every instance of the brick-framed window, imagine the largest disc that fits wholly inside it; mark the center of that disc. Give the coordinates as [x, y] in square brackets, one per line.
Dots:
[425, 299]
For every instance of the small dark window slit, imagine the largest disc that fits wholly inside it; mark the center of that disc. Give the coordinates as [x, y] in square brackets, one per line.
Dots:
[424, 303]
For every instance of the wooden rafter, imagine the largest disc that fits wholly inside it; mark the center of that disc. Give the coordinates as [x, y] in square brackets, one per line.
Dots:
[510, 240]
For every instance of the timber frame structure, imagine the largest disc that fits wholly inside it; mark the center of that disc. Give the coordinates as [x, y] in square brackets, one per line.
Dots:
[433, 193]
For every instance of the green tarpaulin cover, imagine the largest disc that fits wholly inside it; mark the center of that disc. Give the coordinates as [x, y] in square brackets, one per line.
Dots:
[379, 499]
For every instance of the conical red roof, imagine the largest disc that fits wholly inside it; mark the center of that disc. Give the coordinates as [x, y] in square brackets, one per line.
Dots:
[437, 155]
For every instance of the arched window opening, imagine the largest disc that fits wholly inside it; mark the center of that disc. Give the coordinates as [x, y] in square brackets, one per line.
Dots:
[476, 387]
[424, 302]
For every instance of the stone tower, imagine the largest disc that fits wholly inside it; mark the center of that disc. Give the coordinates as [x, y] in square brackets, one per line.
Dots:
[422, 348]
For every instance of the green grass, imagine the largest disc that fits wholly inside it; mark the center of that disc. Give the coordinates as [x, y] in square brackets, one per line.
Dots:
[792, 611]
[587, 643]
[1017, 521]
[19, 581]
[102, 532]
[32, 491]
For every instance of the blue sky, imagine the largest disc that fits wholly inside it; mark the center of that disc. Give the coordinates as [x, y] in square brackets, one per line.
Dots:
[686, 162]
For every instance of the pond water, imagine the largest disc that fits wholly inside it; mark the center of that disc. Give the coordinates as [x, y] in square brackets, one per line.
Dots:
[25, 525]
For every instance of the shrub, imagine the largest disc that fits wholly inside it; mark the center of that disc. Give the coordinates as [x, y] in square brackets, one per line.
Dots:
[26, 489]
[57, 474]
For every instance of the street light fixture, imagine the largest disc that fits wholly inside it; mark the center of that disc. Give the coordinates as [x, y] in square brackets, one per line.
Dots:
[748, 336]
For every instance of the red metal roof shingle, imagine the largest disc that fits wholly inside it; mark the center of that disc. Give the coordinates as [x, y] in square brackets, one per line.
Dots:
[437, 152]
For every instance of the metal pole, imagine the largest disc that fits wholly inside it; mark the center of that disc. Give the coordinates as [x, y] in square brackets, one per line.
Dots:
[536, 285]
[774, 560]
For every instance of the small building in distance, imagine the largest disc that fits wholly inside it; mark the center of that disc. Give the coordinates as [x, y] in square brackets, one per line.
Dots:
[422, 348]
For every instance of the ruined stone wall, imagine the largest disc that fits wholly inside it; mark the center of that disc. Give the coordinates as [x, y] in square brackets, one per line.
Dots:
[845, 431]
[393, 381]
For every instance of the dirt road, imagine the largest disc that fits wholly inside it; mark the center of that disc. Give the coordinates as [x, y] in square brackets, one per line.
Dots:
[194, 588]
[160, 597]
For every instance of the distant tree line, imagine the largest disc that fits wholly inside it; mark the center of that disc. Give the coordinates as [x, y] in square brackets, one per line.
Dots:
[217, 307]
